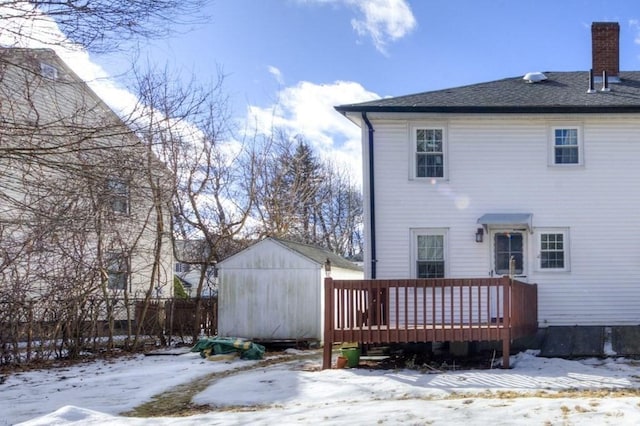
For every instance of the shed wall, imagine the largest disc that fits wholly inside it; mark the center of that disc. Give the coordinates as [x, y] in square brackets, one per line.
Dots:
[269, 292]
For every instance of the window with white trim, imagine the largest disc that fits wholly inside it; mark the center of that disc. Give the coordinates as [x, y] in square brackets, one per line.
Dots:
[117, 271]
[118, 195]
[566, 146]
[554, 250]
[429, 152]
[429, 253]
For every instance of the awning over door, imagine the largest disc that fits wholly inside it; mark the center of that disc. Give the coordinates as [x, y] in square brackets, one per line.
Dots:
[509, 220]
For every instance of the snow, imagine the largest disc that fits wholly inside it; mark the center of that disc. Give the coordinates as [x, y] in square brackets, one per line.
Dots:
[293, 390]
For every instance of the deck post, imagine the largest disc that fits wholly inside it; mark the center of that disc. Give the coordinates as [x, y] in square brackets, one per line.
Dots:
[506, 320]
[329, 306]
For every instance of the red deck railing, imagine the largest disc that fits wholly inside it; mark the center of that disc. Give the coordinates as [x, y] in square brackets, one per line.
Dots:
[428, 310]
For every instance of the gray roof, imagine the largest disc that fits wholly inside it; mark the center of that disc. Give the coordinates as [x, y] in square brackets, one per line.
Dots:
[562, 92]
[318, 255]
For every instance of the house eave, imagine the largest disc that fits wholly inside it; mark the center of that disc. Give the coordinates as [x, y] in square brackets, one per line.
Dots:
[576, 109]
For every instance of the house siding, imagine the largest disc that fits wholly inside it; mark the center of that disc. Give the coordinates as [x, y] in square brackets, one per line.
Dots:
[52, 114]
[500, 164]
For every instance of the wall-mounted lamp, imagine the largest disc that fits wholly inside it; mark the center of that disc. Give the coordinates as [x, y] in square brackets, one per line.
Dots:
[479, 235]
[327, 268]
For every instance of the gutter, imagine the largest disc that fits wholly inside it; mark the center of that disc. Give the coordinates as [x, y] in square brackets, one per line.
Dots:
[372, 198]
[540, 109]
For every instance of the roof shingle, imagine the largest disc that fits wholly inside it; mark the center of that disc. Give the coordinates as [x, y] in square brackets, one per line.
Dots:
[562, 92]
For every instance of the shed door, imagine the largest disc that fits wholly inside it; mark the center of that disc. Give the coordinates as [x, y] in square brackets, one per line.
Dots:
[509, 245]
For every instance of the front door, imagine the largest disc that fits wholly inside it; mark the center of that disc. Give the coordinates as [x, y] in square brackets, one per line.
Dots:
[508, 245]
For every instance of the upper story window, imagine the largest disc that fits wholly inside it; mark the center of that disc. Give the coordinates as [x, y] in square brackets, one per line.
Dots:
[118, 193]
[429, 151]
[430, 253]
[566, 146]
[48, 71]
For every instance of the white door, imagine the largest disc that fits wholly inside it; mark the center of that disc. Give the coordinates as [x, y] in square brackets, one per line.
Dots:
[505, 246]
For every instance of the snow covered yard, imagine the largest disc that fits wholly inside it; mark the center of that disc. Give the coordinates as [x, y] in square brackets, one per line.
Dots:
[535, 391]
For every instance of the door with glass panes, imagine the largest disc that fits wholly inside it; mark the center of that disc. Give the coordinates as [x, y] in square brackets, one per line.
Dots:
[507, 245]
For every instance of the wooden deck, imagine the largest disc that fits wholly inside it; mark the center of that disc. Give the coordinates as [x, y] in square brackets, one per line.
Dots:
[428, 310]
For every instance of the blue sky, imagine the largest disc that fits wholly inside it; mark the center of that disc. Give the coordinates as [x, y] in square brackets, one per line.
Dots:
[289, 62]
[440, 43]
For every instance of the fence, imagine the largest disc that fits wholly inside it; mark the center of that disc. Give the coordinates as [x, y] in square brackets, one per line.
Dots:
[33, 330]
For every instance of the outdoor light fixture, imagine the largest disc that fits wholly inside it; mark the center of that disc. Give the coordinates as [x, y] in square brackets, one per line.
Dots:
[479, 235]
[327, 268]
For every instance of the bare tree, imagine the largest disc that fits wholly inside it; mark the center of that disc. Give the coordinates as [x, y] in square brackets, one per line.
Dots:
[307, 200]
[83, 201]
[214, 174]
[97, 25]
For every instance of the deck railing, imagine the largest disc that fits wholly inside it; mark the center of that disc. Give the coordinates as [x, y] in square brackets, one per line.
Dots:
[428, 310]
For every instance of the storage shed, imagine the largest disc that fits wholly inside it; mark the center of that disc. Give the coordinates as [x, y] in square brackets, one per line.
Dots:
[273, 290]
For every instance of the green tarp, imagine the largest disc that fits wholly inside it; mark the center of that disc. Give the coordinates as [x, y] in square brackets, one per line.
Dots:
[227, 345]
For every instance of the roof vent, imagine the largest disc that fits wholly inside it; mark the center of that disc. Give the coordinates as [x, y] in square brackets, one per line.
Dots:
[534, 77]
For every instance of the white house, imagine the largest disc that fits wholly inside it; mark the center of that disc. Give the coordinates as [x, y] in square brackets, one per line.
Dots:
[273, 290]
[542, 169]
[84, 204]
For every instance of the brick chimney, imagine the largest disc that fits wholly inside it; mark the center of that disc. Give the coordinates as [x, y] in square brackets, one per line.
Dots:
[605, 48]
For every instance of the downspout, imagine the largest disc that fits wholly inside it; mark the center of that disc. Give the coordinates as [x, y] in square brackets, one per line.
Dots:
[372, 198]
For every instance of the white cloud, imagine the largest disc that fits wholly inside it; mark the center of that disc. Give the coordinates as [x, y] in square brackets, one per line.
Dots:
[384, 21]
[308, 109]
[277, 74]
[635, 26]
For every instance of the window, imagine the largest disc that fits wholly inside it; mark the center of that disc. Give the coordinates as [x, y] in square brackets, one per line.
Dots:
[118, 193]
[117, 271]
[429, 147]
[430, 254]
[566, 146]
[554, 250]
[182, 268]
[48, 71]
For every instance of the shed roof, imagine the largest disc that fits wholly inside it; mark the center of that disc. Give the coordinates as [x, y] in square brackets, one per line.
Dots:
[317, 254]
[561, 92]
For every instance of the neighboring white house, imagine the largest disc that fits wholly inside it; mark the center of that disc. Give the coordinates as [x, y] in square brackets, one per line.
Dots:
[84, 204]
[542, 169]
[191, 257]
[273, 290]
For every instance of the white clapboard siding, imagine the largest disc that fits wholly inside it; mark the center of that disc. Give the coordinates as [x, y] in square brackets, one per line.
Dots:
[500, 164]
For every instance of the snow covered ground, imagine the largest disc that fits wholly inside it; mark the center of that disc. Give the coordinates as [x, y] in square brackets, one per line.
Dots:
[535, 391]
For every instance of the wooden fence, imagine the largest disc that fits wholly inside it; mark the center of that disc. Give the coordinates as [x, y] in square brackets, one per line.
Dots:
[177, 317]
[34, 330]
